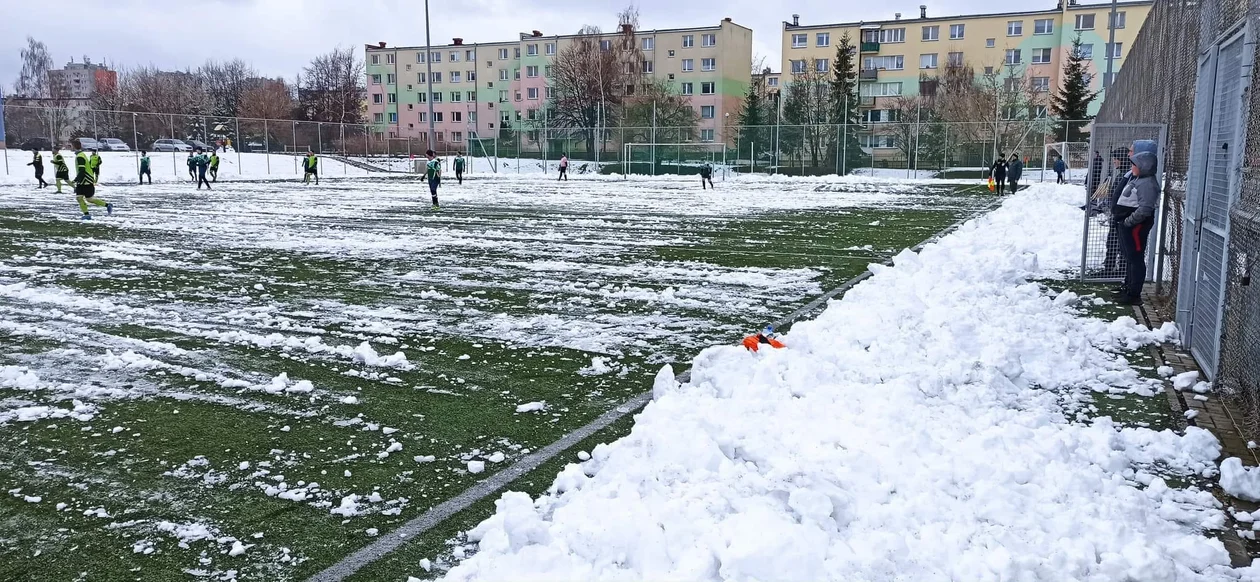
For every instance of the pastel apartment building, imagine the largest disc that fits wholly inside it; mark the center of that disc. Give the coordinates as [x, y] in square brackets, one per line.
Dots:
[895, 54]
[481, 89]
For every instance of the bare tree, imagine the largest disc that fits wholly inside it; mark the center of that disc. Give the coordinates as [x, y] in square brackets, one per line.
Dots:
[226, 83]
[806, 108]
[589, 80]
[656, 104]
[267, 99]
[32, 81]
[332, 88]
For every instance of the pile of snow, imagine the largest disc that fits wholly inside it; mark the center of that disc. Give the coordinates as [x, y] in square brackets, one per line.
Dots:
[1239, 481]
[532, 407]
[915, 430]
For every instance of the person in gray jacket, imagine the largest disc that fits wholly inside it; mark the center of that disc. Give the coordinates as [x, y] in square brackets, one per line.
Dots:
[1134, 215]
[1014, 169]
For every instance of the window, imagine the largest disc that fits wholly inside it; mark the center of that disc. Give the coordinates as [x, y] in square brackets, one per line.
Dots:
[419, 57]
[988, 70]
[1010, 112]
[503, 54]
[1013, 57]
[1041, 84]
[1084, 22]
[457, 136]
[454, 76]
[531, 50]
[422, 97]
[820, 65]
[378, 117]
[472, 95]
[647, 67]
[892, 35]
[706, 135]
[435, 57]
[877, 141]
[1087, 51]
[1117, 50]
[927, 61]
[551, 48]
[707, 111]
[931, 33]
[1015, 28]
[687, 89]
[472, 116]
[648, 43]
[503, 96]
[800, 40]
[708, 64]
[503, 74]
[955, 59]
[688, 65]
[531, 71]
[408, 67]
[516, 53]
[454, 56]
[1041, 112]
[629, 68]
[772, 82]
[393, 98]
[881, 89]
[1041, 56]
[957, 31]
[410, 107]
[457, 116]
[516, 74]
[630, 89]
[376, 98]
[1118, 21]
[547, 71]
[689, 40]
[798, 66]
[393, 118]
[420, 77]
[550, 93]
[671, 54]
[437, 97]
[470, 56]
[457, 96]
[390, 79]
[376, 79]
[605, 45]
[990, 42]
[507, 117]
[437, 116]
[436, 77]
[822, 39]
[1043, 26]
[471, 75]
[517, 95]
[891, 63]
[439, 136]
[708, 40]
[532, 93]
[707, 88]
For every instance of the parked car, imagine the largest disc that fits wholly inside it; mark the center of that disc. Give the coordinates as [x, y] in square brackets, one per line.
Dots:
[113, 144]
[86, 143]
[197, 144]
[37, 144]
[170, 145]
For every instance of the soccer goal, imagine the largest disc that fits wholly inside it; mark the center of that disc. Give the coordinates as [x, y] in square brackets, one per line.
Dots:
[1074, 153]
[672, 158]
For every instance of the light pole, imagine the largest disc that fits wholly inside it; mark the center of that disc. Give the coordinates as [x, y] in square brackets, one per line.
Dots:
[428, 61]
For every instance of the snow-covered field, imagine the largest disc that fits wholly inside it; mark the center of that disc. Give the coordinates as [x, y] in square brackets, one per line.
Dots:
[251, 382]
[932, 425]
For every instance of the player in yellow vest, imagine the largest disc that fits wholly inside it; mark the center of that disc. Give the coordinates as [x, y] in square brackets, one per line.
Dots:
[85, 185]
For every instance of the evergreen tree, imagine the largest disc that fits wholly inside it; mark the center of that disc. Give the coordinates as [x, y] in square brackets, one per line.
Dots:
[844, 105]
[1071, 102]
[754, 116]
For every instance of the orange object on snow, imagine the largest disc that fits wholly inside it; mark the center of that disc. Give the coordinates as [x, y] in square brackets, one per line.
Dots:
[992, 185]
[753, 342]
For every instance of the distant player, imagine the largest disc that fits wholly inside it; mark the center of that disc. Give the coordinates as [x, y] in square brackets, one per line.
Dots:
[203, 163]
[85, 185]
[60, 170]
[311, 165]
[192, 167]
[214, 167]
[706, 175]
[38, 162]
[564, 168]
[95, 160]
[433, 173]
[144, 167]
[459, 168]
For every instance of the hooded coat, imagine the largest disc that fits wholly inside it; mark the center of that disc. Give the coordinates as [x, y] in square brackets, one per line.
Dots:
[1137, 201]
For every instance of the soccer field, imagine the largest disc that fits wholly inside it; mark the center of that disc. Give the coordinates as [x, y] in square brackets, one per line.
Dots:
[253, 382]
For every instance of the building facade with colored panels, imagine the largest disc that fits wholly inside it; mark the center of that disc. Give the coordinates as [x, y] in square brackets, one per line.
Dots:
[481, 89]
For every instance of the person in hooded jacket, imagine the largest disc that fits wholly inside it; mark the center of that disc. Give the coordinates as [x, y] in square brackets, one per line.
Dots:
[1114, 261]
[1134, 217]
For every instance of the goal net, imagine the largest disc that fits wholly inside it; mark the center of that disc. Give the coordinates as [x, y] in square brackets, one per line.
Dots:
[684, 158]
[1074, 153]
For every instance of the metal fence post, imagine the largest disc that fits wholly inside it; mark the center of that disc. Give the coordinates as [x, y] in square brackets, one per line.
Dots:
[239, 170]
[267, 145]
[295, 162]
[174, 164]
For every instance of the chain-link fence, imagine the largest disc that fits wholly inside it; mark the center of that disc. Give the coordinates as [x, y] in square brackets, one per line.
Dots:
[1110, 148]
[892, 149]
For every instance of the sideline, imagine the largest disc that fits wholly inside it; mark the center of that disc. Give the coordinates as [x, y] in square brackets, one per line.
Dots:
[354, 562]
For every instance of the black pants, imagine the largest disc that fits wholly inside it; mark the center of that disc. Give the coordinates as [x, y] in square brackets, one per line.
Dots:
[39, 175]
[1061, 179]
[1014, 184]
[146, 172]
[1001, 184]
[192, 173]
[708, 179]
[459, 175]
[433, 188]
[214, 175]
[201, 179]
[564, 174]
[1133, 245]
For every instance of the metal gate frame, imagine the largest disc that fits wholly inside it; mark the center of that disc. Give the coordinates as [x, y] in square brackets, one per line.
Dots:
[1155, 252]
[1206, 350]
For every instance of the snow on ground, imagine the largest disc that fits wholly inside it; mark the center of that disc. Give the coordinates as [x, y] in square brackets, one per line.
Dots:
[922, 428]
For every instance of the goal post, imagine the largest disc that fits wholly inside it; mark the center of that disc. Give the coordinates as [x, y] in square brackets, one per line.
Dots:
[1074, 153]
[682, 157]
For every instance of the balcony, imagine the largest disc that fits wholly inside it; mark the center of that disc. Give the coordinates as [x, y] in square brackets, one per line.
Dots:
[869, 47]
[866, 101]
[868, 74]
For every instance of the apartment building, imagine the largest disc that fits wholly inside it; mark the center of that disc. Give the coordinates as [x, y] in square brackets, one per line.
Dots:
[894, 55]
[483, 88]
[81, 80]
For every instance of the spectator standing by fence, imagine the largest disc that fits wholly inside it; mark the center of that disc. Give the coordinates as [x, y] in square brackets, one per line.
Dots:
[1015, 169]
[1060, 167]
[998, 172]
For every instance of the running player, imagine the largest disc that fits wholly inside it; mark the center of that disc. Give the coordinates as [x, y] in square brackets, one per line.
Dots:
[85, 185]
[433, 173]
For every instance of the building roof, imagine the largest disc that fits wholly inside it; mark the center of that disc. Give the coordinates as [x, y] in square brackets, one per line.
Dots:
[872, 23]
[529, 35]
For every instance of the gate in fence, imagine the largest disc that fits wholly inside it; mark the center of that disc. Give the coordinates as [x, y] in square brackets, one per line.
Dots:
[1110, 146]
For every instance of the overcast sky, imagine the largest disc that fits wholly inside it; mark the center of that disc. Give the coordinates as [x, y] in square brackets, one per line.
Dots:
[279, 36]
